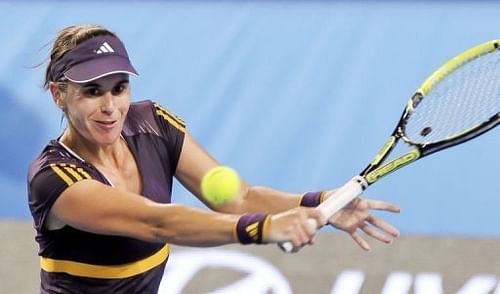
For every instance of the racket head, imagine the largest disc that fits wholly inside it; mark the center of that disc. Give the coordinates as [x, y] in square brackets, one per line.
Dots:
[458, 102]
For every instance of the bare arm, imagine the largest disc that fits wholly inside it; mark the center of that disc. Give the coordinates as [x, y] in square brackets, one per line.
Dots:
[194, 162]
[94, 207]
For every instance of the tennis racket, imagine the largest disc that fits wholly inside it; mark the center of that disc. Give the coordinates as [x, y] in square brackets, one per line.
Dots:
[458, 102]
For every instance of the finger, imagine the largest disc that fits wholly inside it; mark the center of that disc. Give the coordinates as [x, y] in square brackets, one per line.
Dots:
[305, 227]
[305, 232]
[312, 241]
[310, 227]
[382, 205]
[298, 239]
[317, 216]
[296, 245]
[370, 231]
[379, 223]
[361, 242]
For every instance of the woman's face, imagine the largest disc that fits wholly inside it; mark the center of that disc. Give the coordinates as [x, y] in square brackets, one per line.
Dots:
[97, 110]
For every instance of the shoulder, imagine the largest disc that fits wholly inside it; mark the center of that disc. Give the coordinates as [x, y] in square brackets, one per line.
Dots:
[54, 170]
[140, 119]
[52, 155]
[169, 117]
[148, 116]
[56, 165]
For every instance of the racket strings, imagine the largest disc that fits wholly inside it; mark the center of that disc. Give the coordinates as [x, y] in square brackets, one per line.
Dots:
[464, 99]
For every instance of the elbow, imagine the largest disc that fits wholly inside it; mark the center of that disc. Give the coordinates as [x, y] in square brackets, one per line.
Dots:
[238, 205]
[156, 234]
[158, 231]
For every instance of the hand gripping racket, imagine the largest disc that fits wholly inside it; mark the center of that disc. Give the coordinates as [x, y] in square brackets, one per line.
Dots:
[458, 102]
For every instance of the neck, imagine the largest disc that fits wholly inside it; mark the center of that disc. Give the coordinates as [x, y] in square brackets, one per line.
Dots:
[96, 154]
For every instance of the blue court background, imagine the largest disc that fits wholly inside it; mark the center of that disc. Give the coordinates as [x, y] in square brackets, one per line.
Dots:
[295, 95]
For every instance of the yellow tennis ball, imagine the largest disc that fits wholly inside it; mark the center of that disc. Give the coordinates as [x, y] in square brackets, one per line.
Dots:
[221, 184]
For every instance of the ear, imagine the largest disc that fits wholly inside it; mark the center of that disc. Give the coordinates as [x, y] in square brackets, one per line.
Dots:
[57, 95]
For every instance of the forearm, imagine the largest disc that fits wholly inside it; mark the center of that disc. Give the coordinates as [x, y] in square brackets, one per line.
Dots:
[182, 225]
[261, 199]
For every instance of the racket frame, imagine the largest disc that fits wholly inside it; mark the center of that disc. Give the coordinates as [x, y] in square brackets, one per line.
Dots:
[378, 169]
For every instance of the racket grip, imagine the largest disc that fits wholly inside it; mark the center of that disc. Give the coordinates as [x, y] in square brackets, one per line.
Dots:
[333, 204]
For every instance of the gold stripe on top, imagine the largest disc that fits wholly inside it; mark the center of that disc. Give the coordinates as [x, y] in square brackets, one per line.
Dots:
[235, 232]
[105, 271]
[300, 199]
[83, 172]
[74, 173]
[253, 230]
[62, 174]
[172, 119]
[322, 196]
[70, 173]
[80, 171]
[252, 226]
[177, 118]
[265, 228]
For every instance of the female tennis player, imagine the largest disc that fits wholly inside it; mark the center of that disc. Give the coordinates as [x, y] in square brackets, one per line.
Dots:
[100, 193]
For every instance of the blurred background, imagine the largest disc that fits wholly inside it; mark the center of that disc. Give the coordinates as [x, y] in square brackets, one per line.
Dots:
[296, 95]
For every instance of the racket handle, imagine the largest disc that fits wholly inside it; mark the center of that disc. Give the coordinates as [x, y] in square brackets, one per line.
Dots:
[333, 204]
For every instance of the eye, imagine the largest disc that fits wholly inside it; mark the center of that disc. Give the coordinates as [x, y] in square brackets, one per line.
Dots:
[119, 89]
[92, 92]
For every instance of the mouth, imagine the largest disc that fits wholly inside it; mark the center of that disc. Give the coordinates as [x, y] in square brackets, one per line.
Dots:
[106, 124]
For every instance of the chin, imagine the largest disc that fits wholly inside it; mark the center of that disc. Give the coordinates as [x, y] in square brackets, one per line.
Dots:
[107, 139]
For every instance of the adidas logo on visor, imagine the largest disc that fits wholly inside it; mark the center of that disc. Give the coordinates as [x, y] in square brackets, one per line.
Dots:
[105, 48]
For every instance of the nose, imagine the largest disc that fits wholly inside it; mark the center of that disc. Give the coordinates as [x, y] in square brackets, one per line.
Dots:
[108, 103]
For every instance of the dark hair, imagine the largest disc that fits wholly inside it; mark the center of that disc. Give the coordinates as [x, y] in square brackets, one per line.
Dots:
[67, 39]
